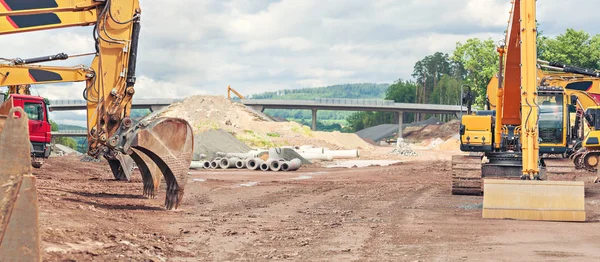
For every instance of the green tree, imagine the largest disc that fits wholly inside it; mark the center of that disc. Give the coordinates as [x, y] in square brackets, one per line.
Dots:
[428, 71]
[573, 47]
[66, 141]
[479, 60]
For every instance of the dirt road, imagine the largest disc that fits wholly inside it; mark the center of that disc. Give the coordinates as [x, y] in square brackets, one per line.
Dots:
[403, 212]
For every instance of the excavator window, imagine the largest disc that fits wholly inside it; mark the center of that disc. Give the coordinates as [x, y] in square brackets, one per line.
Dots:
[551, 118]
[34, 111]
[593, 116]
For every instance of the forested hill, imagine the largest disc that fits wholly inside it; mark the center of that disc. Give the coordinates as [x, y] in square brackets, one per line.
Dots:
[356, 91]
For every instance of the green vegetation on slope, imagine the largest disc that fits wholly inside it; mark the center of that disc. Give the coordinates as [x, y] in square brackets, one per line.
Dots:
[350, 91]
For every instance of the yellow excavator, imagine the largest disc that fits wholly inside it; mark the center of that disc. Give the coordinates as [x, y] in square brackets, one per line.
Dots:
[154, 143]
[507, 167]
[584, 92]
[24, 73]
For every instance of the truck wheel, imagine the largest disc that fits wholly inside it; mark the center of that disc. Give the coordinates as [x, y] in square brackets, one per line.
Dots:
[36, 164]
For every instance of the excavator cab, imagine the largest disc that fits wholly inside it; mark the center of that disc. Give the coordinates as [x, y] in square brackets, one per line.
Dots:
[553, 120]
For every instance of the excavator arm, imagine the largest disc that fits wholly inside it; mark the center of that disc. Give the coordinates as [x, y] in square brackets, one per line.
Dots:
[20, 16]
[11, 75]
[158, 145]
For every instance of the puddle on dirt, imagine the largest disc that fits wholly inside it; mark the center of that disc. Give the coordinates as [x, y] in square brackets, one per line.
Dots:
[301, 178]
[472, 206]
[198, 180]
[363, 163]
[249, 184]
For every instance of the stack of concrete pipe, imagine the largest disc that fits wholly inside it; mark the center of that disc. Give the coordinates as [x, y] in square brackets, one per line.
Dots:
[248, 160]
[253, 160]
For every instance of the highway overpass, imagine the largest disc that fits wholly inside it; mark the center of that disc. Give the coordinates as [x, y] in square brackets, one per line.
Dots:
[378, 105]
[152, 104]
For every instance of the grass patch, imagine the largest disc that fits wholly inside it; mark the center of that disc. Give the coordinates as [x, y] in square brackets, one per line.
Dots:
[255, 140]
[273, 134]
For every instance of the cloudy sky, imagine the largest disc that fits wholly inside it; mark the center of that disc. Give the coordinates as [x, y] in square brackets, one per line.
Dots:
[200, 46]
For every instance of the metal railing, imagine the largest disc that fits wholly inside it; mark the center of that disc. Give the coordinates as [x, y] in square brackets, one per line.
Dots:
[348, 101]
[148, 101]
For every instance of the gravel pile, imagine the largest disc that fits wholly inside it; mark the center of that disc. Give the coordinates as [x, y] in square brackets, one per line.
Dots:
[403, 149]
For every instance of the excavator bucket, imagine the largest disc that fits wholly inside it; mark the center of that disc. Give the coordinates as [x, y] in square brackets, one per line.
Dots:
[19, 227]
[534, 200]
[151, 174]
[162, 146]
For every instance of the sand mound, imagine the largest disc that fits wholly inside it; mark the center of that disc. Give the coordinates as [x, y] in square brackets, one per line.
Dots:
[216, 112]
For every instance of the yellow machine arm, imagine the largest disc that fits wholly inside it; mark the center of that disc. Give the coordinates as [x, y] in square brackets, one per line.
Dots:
[157, 145]
[24, 16]
[229, 90]
[18, 75]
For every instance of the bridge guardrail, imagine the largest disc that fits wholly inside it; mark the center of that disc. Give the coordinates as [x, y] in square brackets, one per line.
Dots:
[349, 101]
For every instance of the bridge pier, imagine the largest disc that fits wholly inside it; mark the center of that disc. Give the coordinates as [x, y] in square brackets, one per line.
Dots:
[258, 108]
[400, 116]
[314, 119]
[156, 108]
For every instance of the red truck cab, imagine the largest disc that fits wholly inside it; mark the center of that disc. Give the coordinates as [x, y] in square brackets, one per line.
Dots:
[39, 125]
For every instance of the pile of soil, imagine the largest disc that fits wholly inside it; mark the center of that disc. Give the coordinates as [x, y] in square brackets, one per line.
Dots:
[216, 112]
[418, 134]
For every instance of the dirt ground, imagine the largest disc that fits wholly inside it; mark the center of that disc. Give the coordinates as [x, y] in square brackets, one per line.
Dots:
[403, 212]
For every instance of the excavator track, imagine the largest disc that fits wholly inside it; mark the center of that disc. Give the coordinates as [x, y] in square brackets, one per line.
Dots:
[466, 175]
[559, 166]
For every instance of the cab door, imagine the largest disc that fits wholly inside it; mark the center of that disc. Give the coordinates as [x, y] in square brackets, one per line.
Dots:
[35, 111]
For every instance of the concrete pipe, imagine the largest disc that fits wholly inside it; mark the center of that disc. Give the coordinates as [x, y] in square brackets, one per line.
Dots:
[264, 166]
[215, 164]
[202, 156]
[197, 165]
[254, 164]
[228, 162]
[341, 154]
[206, 164]
[291, 165]
[316, 156]
[275, 164]
[316, 150]
[249, 154]
[275, 153]
[305, 147]
[240, 164]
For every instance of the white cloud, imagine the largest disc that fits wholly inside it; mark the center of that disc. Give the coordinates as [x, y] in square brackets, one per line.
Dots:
[199, 47]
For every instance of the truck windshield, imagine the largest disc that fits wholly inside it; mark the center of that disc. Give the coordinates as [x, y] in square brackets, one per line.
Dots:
[34, 111]
[551, 118]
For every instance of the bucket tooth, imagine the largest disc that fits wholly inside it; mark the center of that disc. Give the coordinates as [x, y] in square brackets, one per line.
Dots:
[151, 174]
[168, 143]
[121, 165]
[19, 222]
